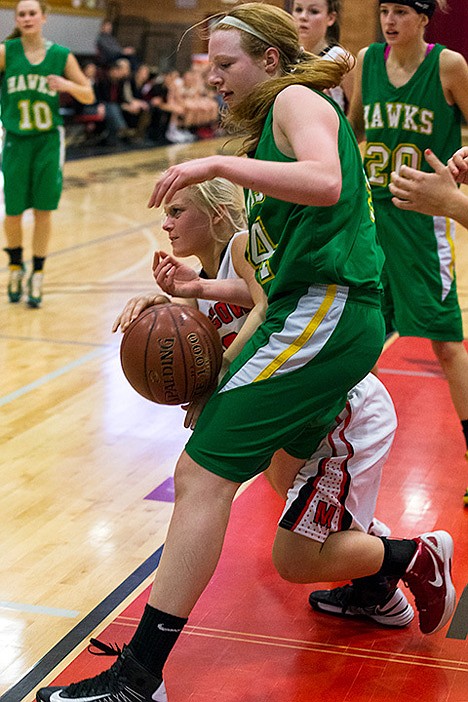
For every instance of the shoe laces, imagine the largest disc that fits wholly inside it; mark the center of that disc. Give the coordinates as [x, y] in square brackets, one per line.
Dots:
[107, 681]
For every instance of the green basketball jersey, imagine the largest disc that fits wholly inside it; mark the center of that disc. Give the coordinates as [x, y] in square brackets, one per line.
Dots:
[401, 122]
[28, 105]
[294, 246]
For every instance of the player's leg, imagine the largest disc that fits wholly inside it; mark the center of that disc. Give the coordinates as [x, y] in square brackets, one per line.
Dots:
[13, 228]
[322, 534]
[453, 359]
[420, 264]
[338, 488]
[191, 552]
[40, 247]
[46, 192]
[16, 160]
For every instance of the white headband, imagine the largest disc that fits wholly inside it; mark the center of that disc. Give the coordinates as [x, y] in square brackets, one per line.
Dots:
[240, 24]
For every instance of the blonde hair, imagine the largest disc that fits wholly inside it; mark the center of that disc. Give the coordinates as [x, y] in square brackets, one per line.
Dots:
[222, 197]
[15, 34]
[297, 67]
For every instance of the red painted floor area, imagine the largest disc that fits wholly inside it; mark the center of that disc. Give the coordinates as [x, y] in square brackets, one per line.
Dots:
[253, 637]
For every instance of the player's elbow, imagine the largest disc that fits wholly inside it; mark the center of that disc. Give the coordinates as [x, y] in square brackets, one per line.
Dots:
[332, 194]
[328, 194]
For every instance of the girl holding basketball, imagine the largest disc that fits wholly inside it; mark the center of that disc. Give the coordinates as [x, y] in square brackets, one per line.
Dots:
[35, 72]
[313, 245]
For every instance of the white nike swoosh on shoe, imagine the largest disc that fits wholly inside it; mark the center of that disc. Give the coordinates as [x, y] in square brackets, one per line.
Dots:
[57, 697]
[438, 579]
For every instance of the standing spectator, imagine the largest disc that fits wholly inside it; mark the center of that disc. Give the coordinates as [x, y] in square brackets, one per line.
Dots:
[109, 49]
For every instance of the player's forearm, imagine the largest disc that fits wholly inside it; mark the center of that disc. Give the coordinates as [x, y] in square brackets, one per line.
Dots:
[232, 290]
[253, 321]
[302, 182]
[82, 93]
[457, 207]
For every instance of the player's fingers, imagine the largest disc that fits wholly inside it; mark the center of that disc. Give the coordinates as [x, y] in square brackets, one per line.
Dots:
[399, 186]
[402, 204]
[433, 161]
[159, 191]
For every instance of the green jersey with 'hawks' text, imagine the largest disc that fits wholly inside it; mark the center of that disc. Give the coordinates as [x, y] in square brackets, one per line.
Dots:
[401, 122]
[28, 105]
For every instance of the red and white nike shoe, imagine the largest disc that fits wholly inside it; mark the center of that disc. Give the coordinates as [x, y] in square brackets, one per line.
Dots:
[428, 578]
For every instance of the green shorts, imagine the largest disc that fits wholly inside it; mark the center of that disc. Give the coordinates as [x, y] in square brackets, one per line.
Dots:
[419, 274]
[32, 170]
[289, 383]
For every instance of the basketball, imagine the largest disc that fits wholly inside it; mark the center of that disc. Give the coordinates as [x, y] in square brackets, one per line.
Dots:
[171, 354]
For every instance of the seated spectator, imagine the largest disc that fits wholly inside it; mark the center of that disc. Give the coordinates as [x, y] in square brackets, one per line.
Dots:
[109, 49]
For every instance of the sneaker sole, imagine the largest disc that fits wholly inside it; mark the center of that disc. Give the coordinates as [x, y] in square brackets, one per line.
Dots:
[406, 616]
[446, 543]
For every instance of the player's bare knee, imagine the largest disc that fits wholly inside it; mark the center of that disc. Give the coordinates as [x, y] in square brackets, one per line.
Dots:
[295, 557]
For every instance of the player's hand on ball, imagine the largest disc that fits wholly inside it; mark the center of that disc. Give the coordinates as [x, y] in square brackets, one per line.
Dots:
[135, 307]
[175, 277]
[194, 410]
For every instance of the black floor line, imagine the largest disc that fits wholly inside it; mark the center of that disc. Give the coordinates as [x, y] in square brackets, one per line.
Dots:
[81, 631]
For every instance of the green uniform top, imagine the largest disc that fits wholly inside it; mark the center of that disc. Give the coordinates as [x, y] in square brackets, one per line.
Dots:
[28, 105]
[294, 246]
[401, 122]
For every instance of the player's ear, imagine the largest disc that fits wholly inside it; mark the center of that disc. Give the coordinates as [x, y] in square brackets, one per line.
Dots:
[271, 59]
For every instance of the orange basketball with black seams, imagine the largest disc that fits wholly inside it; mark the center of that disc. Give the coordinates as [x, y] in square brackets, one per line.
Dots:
[171, 354]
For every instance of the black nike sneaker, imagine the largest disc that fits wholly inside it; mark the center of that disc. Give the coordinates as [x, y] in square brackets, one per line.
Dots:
[125, 681]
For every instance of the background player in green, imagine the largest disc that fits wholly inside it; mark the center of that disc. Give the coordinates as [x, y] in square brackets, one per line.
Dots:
[409, 96]
[35, 72]
[313, 244]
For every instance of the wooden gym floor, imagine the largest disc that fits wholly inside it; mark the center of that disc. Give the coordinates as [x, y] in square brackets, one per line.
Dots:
[86, 491]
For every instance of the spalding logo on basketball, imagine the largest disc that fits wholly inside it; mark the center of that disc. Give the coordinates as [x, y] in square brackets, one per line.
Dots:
[171, 354]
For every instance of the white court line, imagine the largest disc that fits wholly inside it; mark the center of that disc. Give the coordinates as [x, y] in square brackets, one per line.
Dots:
[35, 609]
[6, 399]
[416, 374]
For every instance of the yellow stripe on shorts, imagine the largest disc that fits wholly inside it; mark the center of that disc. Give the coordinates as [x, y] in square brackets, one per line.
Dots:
[303, 338]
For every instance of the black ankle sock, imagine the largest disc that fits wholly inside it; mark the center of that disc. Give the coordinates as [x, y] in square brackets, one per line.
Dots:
[397, 557]
[15, 255]
[372, 589]
[38, 263]
[464, 423]
[155, 638]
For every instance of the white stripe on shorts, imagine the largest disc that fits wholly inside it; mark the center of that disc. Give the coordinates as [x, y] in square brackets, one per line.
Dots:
[305, 332]
[444, 230]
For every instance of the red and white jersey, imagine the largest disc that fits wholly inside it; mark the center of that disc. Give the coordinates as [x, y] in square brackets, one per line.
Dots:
[227, 318]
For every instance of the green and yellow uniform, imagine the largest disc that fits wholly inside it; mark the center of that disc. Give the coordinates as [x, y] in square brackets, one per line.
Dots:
[320, 268]
[400, 123]
[33, 144]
